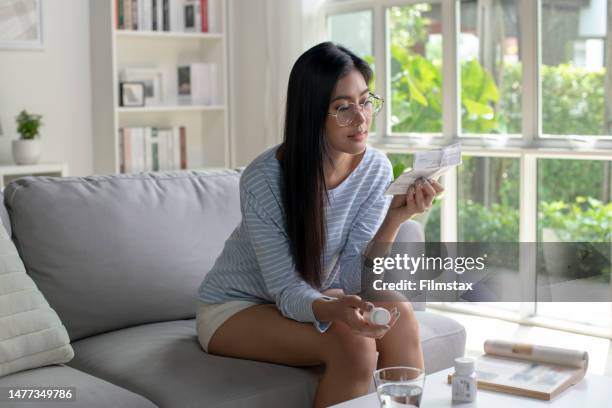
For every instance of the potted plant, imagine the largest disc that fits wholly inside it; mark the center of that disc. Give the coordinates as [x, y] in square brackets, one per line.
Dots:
[26, 149]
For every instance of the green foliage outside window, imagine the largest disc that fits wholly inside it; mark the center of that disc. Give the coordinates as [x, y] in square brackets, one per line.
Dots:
[585, 217]
[571, 199]
[573, 100]
[573, 103]
[564, 204]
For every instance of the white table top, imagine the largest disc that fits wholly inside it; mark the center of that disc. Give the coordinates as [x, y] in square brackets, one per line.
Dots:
[594, 391]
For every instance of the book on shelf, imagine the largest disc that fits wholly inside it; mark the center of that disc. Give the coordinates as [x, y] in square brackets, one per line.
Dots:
[152, 149]
[198, 84]
[168, 15]
[529, 370]
[213, 11]
[165, 15]
[135, 15]
[204, 16]
[192, 16]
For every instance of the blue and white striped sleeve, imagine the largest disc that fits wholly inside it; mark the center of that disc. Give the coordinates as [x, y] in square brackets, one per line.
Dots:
[293, 296]
[369, 218]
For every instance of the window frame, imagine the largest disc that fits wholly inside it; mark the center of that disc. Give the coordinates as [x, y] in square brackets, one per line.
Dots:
[530, 146]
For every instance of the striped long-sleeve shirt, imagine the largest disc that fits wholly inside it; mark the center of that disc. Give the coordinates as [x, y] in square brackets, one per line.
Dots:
[256, 263]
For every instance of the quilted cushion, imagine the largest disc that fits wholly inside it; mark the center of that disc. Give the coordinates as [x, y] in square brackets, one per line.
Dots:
[31, 333]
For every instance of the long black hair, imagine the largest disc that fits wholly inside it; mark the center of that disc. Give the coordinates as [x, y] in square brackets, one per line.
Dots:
[303, 151]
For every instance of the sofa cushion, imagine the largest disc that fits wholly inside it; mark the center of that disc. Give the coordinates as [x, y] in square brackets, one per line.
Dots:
[31, 333]
[442, 339]
[127, 249]
[90, 392]
[164, 362]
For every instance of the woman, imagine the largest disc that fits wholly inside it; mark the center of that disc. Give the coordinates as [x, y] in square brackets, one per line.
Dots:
[309, 207]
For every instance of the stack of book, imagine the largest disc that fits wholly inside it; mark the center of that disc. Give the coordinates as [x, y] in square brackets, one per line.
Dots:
[198, 84]
[152, 149]
[168, 15]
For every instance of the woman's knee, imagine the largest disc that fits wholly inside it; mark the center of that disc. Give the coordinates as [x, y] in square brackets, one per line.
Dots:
[353, 353]
[406, 309]
[407, 325]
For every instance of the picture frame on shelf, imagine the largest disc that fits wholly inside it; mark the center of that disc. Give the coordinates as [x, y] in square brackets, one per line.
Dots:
[184, 83]
[21, 25]
[153, 80]
[132, 94]
[197, 83]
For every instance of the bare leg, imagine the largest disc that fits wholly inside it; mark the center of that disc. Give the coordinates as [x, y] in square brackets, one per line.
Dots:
[401, 346]
[349, 359]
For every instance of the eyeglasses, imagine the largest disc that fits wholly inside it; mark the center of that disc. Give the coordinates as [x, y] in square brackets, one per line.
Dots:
[345, 113]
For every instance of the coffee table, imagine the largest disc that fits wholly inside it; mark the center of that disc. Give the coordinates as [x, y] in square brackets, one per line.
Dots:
[594, 391]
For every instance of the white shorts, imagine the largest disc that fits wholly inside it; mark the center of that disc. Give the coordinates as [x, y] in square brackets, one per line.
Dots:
[210, 316]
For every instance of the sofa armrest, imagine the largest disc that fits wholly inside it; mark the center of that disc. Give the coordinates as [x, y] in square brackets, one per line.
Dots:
[412, 231]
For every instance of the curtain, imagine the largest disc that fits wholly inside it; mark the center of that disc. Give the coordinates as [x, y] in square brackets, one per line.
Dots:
[292, 26]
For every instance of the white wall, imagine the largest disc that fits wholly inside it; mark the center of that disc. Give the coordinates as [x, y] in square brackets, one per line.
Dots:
[54, 82]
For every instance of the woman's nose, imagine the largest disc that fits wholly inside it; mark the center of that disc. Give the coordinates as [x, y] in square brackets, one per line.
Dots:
[360, 117]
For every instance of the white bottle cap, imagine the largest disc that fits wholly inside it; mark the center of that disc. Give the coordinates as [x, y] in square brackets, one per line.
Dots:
[380, 316]
[464, 365]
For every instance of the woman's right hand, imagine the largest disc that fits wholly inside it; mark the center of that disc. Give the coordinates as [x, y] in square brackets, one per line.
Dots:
[349, 309]
[417, 200]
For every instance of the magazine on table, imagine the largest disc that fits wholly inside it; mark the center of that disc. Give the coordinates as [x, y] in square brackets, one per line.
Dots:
[529, 370]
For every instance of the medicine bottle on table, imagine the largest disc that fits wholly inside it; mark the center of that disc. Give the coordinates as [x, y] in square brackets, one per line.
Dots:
[464, 380]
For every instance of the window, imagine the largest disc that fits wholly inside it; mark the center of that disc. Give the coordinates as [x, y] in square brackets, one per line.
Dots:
[574, 93]
[354, 31]
[575, 200]
[415, 58]
[488, 205]
[491, 67]
[569, 214]
[526, 87]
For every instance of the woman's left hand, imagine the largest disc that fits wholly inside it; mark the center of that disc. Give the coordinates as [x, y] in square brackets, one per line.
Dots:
[417, 200]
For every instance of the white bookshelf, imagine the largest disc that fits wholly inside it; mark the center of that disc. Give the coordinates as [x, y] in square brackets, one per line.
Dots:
[170, 108]
[166, 35]
[112, 50]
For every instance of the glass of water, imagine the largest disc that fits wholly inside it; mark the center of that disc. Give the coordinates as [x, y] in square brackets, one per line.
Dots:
[399, 387]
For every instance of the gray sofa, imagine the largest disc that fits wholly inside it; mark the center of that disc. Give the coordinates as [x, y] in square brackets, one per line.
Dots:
[120, 259]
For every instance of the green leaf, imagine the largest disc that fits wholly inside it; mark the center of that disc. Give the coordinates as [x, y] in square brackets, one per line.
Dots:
[416, 94]
[398, 169]
[478, 109]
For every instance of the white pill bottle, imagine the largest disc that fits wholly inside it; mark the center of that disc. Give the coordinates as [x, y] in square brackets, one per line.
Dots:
[378, 316]
[464, 380]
